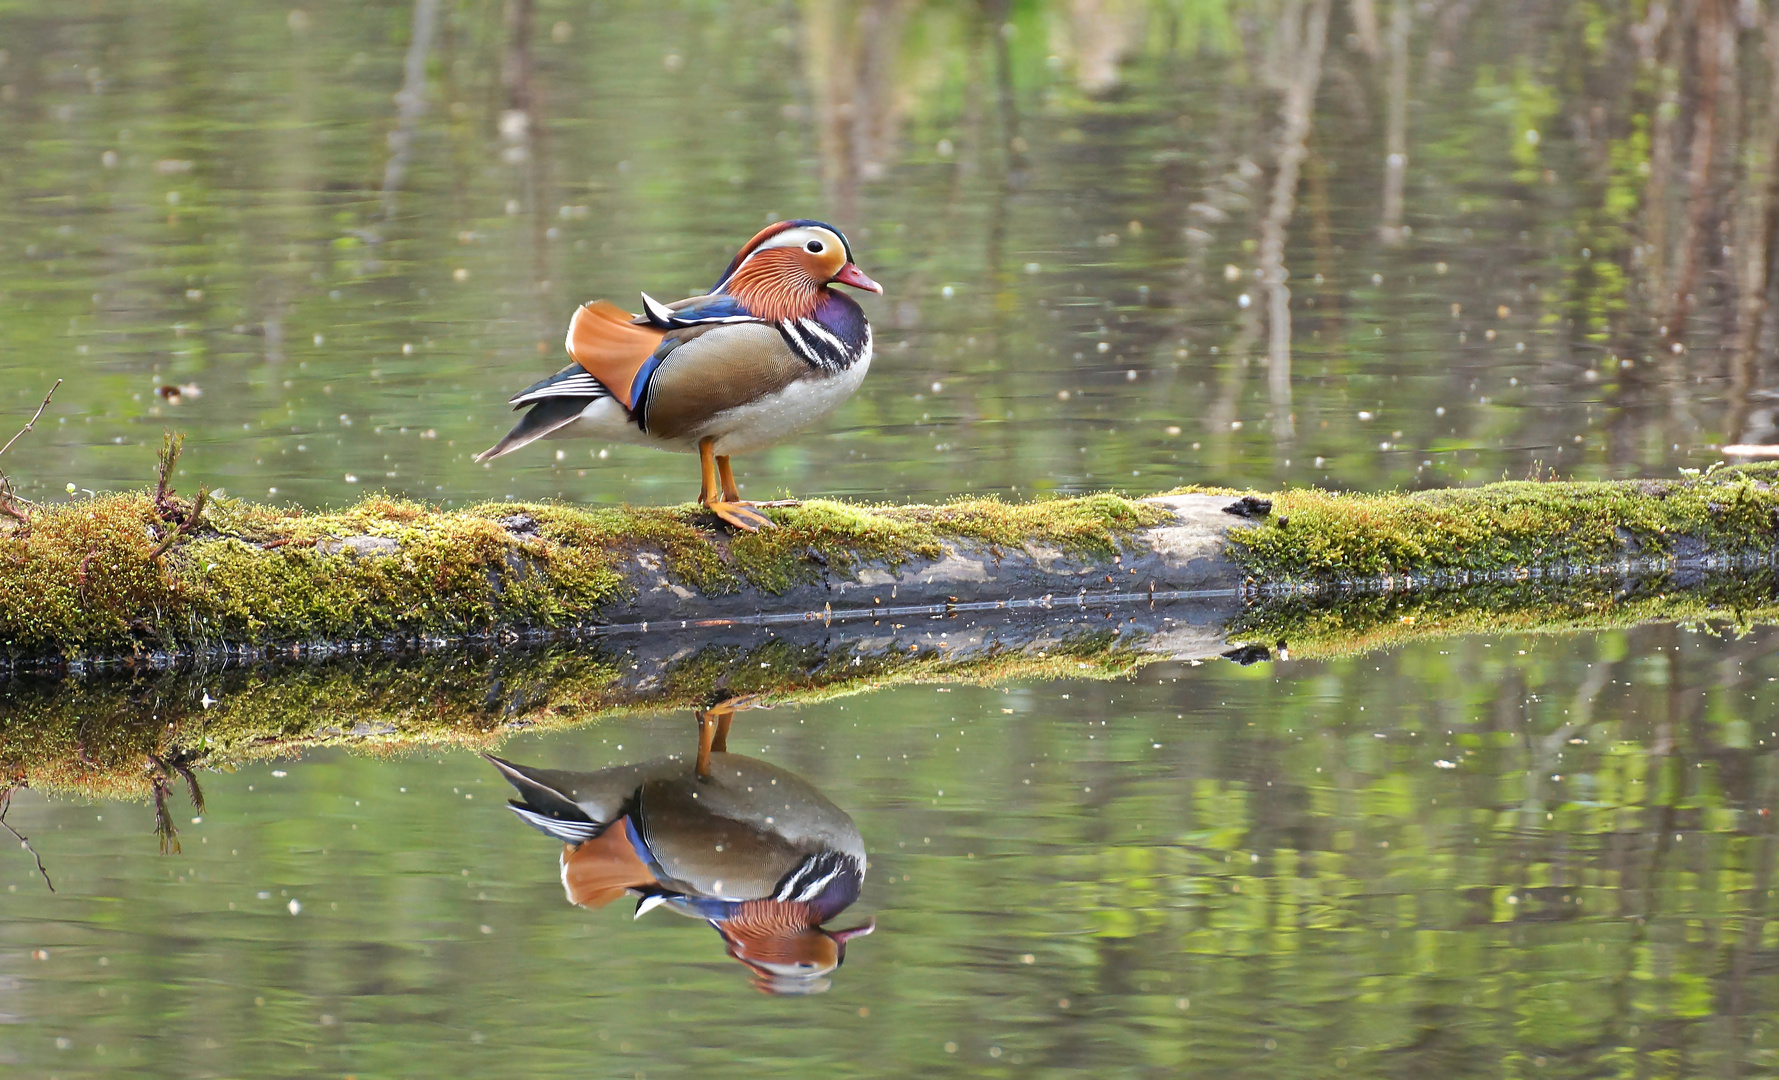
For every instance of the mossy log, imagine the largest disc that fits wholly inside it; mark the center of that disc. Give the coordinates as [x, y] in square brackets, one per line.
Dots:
[514, 637]
[152, 578]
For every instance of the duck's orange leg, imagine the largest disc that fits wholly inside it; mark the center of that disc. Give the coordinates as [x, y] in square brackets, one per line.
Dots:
[732, 494]
[707, 730]
[713, 727]
[713, 733]
[719, 495]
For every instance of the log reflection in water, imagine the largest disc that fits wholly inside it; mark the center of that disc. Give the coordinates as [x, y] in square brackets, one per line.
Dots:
[750, 848]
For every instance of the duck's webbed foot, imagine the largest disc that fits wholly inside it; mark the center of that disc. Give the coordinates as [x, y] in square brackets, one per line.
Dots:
[720, 495]
[740, 514]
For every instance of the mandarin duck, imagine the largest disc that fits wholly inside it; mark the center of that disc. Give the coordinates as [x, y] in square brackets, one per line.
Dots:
[753, 850]
[770, 349]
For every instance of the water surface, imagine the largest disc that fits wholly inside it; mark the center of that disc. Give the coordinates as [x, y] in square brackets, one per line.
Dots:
[326, 241]
[1482, 856]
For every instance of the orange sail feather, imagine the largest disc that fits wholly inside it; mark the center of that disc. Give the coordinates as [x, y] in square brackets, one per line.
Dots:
[603, 339]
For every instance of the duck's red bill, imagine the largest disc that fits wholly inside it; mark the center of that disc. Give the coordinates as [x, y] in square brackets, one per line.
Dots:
[850, 274]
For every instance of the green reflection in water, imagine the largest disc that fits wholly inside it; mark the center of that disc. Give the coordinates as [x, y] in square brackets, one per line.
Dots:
[1066, 202]
[1463, 856]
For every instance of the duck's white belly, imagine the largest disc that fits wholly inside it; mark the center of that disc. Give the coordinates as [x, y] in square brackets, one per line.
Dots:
[777, 416]
[608, 420]
[740, 430]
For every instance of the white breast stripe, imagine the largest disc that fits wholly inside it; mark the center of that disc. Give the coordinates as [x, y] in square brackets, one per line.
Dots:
[809, 866]
[822, 332]
[815, 890]
[797, 340]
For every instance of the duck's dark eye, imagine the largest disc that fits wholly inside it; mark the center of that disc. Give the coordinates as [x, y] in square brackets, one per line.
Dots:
[814, 247]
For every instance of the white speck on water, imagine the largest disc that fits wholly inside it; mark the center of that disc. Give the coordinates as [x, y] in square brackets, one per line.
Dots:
[295, 908]
[279, 773]
[948, 292]
[1243, 301]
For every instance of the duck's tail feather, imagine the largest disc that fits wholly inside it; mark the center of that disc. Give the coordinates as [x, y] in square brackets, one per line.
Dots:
[567, 830]
[544, 417]
[544, 808]
[573, 381]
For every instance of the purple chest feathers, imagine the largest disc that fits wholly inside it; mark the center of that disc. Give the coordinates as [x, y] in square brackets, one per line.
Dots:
[833, 336]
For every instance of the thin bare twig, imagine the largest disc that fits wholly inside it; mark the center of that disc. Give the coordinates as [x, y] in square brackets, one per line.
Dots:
[35, 417]
[24, 841]
[10, 501]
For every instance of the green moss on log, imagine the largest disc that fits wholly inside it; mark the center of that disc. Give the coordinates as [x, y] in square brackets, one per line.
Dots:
[1315, 535]
[82, 579]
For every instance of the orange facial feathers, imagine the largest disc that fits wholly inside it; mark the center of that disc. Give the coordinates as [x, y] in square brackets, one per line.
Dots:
[777, 932]
[779, 284]
[602, 869]
[603, 339]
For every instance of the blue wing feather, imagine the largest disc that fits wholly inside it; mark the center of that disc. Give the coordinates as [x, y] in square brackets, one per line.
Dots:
[699, 310]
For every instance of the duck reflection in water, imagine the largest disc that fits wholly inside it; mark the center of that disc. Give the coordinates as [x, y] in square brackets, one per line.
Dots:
[751, 849]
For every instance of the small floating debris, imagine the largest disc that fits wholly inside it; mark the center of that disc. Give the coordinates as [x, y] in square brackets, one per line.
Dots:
[173, 395]
[1249, 506]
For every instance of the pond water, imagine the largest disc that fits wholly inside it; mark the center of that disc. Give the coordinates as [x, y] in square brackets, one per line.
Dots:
[326, 240]
[201, 199]
[1529, 855]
